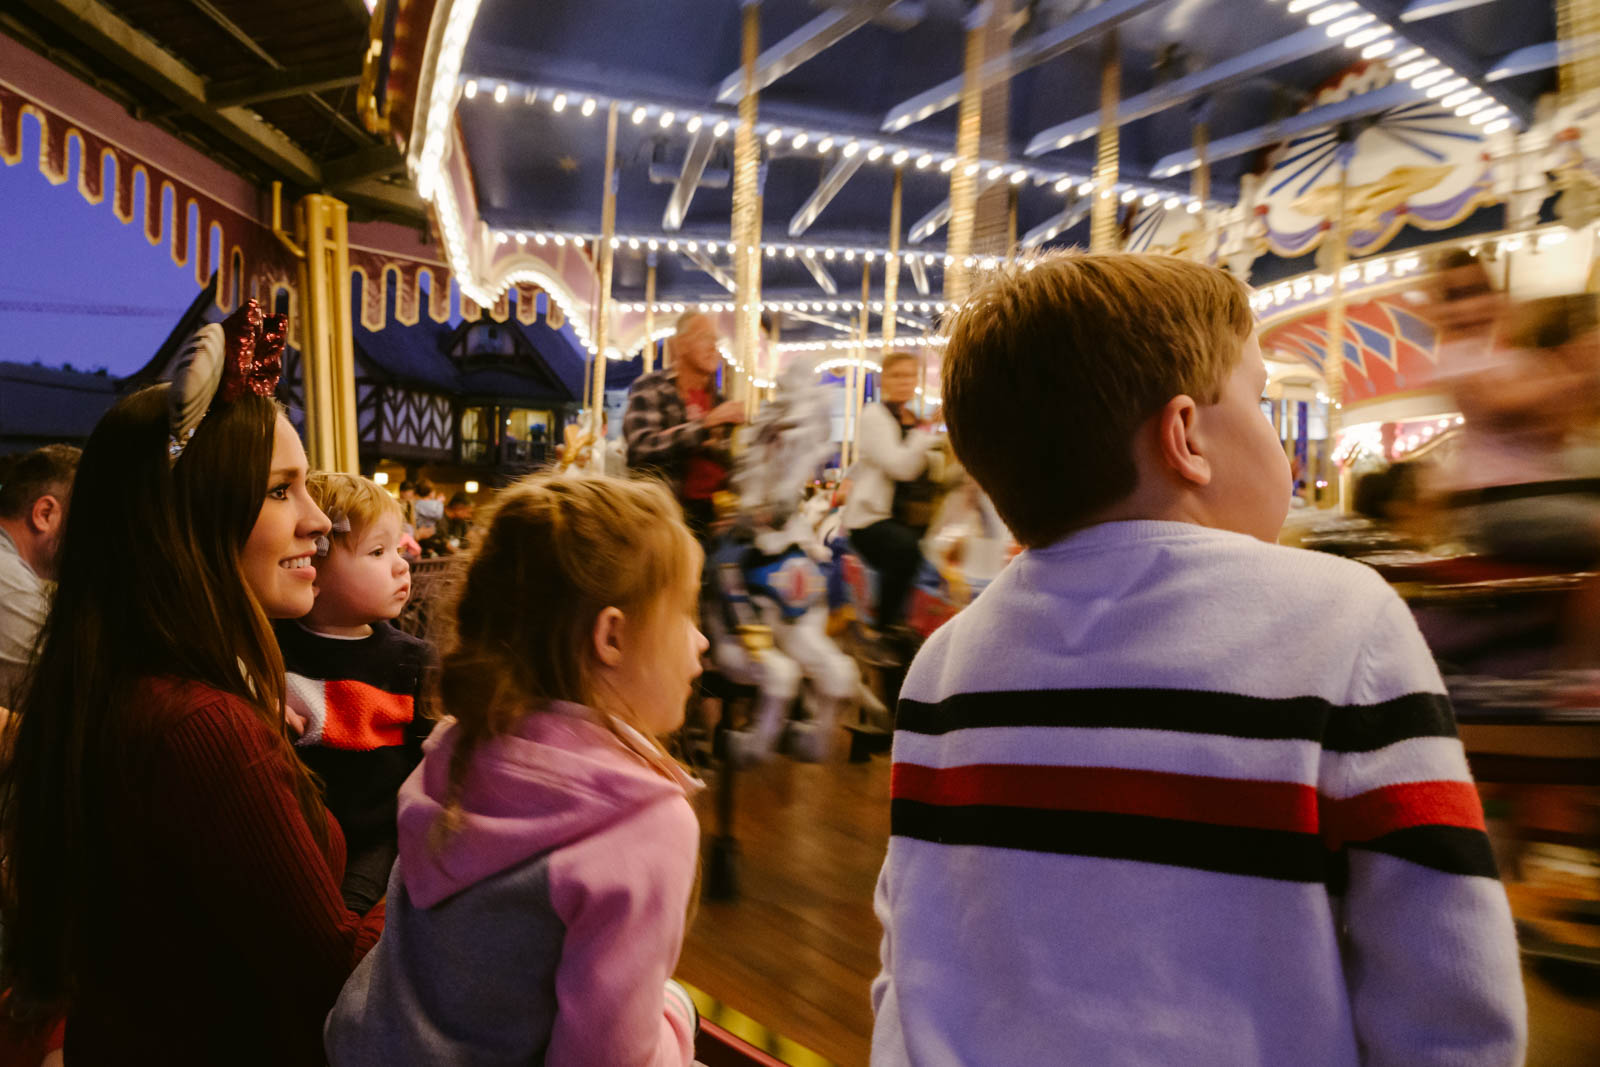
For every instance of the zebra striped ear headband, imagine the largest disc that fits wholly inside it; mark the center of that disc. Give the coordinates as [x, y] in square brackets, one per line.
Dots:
[221, 363]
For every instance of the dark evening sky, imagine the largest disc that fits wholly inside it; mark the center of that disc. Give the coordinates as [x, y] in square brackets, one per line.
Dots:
[56, 247]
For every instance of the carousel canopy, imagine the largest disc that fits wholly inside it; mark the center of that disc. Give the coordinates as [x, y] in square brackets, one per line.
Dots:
[851, 91]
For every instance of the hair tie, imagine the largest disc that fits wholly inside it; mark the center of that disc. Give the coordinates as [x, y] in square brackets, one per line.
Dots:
[338, 525]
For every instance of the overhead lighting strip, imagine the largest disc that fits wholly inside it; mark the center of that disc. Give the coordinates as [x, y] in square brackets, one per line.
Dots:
[797, 137]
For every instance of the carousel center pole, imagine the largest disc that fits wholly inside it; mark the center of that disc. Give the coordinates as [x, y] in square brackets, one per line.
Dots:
[747, 203]
[650, 315]
[964, 178]
[608, 228]
[1103, 236]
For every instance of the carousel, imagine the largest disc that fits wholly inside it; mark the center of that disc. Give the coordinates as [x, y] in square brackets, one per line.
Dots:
[826, 180]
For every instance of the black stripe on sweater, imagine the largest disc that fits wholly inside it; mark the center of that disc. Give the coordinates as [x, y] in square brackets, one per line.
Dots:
[1337, 728]
[1277, 854]
[1451, 849]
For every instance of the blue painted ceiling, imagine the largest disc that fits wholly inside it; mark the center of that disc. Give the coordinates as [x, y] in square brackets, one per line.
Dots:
[536, 169]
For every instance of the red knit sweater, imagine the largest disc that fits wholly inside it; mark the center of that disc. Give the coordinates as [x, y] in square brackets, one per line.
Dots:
[222, 938]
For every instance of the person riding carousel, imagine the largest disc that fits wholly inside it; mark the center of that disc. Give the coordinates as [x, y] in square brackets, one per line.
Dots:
[891, 501]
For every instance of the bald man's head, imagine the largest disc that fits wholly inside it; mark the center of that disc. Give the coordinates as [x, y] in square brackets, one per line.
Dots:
[694, 345]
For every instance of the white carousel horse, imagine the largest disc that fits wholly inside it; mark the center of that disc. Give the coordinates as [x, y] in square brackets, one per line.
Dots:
[768, 627]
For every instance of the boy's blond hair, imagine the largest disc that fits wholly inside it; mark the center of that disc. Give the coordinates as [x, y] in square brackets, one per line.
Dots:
[358, 501]
[1053, 364]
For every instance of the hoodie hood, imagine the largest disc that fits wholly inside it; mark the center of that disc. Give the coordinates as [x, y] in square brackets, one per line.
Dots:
[558, 777]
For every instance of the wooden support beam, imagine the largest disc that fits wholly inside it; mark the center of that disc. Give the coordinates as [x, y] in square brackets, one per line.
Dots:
[1296, 46]
[823, 278]
[694, 165]
[379, 161]
[809, 41]
[234, 30]
[106, 36]
[843, 169]
[1043, 47]
[283, 84]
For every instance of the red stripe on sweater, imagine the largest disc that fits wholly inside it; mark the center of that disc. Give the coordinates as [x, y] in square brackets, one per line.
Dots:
[362, 717]
[1370, 815]
[1192, 798]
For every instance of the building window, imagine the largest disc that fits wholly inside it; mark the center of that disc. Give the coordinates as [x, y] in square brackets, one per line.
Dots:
[477, 435]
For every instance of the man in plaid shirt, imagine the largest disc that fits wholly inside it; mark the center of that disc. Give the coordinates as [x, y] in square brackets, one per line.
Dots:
[676, 424]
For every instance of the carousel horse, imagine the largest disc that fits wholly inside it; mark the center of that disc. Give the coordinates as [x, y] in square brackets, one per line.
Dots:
[767, 617]
[577, 451]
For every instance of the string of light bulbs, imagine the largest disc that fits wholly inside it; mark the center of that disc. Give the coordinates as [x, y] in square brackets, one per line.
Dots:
[926, 307]
[1399, 265]
[798, 137]
[1376, 38]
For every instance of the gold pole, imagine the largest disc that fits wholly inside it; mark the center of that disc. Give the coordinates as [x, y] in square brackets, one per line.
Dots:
[1011, 222]
[772, 363]
[1200, 180]
[849, 408]
[608, 228]
[343, 348]
[859, 400]
[1333, 363]
[891, 265]
[964, 178]
[1103, 215]
[322, 434]
[1577, 24]
[746, 201]
[650, 316]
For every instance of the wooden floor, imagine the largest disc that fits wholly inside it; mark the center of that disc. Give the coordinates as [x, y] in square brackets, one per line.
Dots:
[798, 950]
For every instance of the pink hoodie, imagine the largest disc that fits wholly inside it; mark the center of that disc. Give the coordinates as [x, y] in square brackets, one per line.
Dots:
[548, 924]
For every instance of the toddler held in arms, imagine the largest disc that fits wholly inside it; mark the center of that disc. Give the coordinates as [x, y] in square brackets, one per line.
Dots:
[548, 852]
[354, 680]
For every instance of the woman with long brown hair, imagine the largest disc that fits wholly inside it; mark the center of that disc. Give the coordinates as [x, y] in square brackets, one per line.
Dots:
[171, 877]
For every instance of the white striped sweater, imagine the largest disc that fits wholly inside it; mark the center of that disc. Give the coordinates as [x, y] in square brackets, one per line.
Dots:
[1165, 794]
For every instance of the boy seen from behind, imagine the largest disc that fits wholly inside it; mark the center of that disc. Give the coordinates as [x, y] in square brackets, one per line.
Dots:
[355, 681]
[1168, 792]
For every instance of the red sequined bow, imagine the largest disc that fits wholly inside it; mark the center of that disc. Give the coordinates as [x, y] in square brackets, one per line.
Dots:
[253, 356]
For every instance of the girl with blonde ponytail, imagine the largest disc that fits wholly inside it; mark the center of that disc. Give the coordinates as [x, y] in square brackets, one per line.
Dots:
[548, 852]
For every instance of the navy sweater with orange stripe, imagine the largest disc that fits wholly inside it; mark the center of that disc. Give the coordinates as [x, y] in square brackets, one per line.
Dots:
[1166, 794]
[362, 700]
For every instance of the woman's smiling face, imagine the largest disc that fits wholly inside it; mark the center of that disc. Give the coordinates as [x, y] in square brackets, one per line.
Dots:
[277, 556]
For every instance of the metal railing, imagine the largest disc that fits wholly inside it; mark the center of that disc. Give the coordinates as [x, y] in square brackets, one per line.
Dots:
[429, 578]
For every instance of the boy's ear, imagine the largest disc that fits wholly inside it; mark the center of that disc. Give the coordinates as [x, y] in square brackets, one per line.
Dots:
[608, 636]
[1177, 442]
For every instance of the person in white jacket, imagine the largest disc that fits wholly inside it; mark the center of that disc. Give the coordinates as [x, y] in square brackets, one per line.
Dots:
[893, 454]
